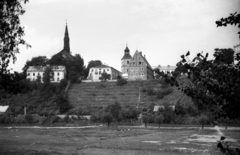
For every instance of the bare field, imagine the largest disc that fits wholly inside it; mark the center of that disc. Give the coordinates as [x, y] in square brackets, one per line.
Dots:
[109, 141]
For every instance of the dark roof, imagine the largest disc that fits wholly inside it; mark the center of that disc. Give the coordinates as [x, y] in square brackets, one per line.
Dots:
[126, 49]
[101, 66]
[127, 56]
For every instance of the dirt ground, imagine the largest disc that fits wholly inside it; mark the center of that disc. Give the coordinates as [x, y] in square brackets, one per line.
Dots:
[111, 141]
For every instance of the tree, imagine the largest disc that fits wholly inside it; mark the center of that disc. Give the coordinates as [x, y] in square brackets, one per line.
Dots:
[203, 119]
[105, 76]
[114, 110]
[159, 120]
[145, 119]
[92, 63]
[224, 56]
[233, 19]
[47, 76]
[108, 118]
[62, 103]
[11, 33]
[210, 89]
[36, 61]
[73, 76]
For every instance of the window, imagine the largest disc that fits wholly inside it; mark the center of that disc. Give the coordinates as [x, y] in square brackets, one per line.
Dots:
[33, 74]
[134, 63]
[127, 62]
[58, 79]
[92, 70]
[140, 62]
[131, 69]
[107, 69]
[142, 74]
[28, 74]
[142, 69]
[100, 72]
[136, 69]
[127, 70]
[58, 74]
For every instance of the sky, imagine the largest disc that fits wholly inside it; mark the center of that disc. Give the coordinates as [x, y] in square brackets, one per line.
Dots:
[100, 29]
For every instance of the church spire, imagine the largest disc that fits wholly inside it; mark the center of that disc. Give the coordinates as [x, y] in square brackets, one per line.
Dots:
[66, 40]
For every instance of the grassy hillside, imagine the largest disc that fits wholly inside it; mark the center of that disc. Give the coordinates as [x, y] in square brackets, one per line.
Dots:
[100, 94]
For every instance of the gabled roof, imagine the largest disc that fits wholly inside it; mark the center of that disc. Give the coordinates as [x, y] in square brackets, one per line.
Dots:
[144, 59]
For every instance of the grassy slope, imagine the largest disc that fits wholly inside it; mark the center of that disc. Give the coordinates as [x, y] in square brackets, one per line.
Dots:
[99, 94]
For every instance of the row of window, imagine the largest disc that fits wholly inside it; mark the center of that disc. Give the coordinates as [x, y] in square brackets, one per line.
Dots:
[52, 79]
[38, 74]
[136, 74]
[135, 63]
[99, 70]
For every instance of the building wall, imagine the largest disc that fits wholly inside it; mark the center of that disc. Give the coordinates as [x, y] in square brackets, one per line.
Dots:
[34, 73]
[125, 65]
[96, 73]
[138, 69]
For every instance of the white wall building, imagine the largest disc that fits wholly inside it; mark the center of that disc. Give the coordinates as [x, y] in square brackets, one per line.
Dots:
[96, 72]
[59, 73]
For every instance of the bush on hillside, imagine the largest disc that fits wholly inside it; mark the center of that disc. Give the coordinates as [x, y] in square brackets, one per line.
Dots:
[121, 82]
[151, 91]
[28, 118]
[203, 119]
[160, 95]
[167, 91]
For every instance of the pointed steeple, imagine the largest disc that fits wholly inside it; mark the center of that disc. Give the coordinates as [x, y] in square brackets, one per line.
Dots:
[66, 46]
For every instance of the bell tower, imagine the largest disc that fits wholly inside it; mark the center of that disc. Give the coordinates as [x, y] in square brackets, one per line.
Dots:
[126, 61]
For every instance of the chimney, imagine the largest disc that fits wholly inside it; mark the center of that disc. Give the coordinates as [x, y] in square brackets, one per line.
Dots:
[144, 56]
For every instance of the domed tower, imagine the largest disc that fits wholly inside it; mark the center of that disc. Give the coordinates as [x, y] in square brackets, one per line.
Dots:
[126, 61]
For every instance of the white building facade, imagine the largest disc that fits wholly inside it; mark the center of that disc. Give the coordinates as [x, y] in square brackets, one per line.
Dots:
[59, 73]
[95, 73]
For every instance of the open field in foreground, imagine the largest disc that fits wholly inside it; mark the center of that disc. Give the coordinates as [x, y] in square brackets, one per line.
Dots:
[110, 141]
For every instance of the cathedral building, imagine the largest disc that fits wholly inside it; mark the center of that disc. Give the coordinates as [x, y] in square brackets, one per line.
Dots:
[65, 53]
[136, 67]
[59, 71]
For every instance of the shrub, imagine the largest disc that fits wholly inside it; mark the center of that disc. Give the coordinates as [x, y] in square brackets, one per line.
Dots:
[5, 119]
[121, 82]
[150, 91]
[144, 89]
[203, 119]
[101, 85]
[167, 91]
[160, 95]
[107, 118]
[159, 120]
[145, 120]
[28, 118]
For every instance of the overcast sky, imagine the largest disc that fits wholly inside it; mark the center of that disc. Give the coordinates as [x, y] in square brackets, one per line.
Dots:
[100, 29]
